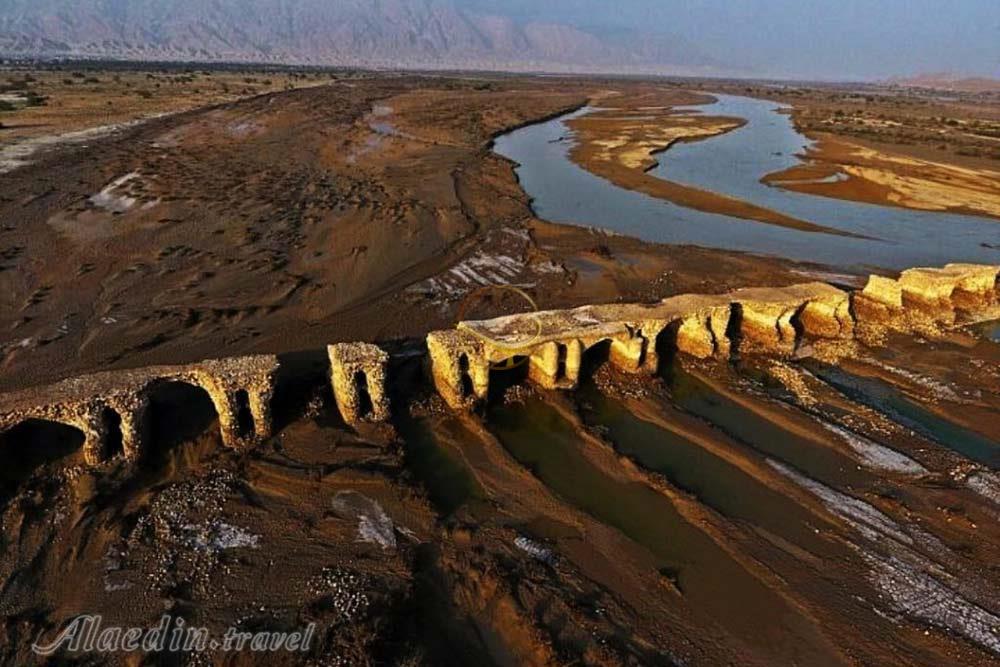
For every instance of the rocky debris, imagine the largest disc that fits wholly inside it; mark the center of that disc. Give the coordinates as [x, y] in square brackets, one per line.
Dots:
[216, 536]
[183, 534]
[346, 591]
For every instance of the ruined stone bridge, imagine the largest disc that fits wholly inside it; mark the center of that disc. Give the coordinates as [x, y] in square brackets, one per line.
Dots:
[118, 400]
[551, 343]
[767, 320]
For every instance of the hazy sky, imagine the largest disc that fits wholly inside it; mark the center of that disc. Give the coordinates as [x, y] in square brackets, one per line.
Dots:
[809, 38]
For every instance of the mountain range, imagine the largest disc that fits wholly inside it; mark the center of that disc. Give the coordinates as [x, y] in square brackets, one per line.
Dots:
[423, 34]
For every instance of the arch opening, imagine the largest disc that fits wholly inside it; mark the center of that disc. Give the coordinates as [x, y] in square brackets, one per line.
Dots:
[506, 374]
[244, 415]
[114, 441]
[179, 413]
[666, 346]
[33, 446]
[594, 357]
[465, 378]
[798, 326]
[365, 405]
[562, 353]
[734, 331]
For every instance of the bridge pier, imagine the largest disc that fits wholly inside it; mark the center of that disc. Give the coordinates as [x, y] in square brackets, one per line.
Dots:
[458, 367]
[627, 353]
[940, 293]
[703, 334]
[89, 422]
[774, 320]
[226, 380]
[260, 408]
[133, 427]
[357, 369]
[556, 364]
[131, 410]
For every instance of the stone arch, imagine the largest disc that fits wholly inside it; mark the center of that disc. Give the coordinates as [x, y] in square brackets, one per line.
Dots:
[507, 372]
[359, 373]
[34, 443]
[466, 385]
[365, 406]
[226, 408]
[245, 422]
[594, 356]
[555, 364]
[179, 410]
[113, 436]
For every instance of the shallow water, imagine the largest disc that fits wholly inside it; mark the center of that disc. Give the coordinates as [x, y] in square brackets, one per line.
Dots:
[733, 164]
[990, 330]
[712, 582]
[885, 398]
[449, 483]
[714, 481]
[770, 439]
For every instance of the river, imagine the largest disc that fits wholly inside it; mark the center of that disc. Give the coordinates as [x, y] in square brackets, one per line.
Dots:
[733, 163]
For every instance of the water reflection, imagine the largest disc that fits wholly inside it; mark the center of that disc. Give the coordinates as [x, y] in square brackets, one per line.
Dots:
[733, 164]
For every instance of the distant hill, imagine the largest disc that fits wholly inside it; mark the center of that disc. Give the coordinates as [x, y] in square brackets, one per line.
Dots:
[951, 82]
[431, 34]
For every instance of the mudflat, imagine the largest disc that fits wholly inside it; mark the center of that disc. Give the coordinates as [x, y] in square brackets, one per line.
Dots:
[831, 504]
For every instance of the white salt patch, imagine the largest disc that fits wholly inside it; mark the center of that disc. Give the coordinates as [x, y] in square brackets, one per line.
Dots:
[913, 584]
[374, 525]
[986, 484]
[517, 233]
[938, 389]
[534, 549]
[868, 520]
[17, 154]
[217, 536]
[875, 455]
[920, 595]
[109, 201]
[547, 266]
[585, 318]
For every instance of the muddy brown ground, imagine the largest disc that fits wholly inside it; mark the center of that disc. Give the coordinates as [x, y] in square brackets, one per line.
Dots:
[364, 209]
[759, 512]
